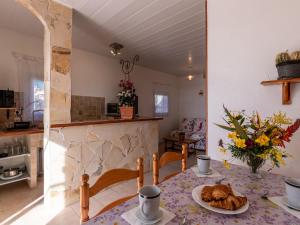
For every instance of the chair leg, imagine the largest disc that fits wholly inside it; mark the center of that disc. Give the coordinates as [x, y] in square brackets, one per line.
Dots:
[155, 169]
[140, 168]
[84, 198]
[184, 157]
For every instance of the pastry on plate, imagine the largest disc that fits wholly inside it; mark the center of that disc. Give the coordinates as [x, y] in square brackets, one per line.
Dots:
[206, 194]
[221, 191]
[221, 196]
[230, 203]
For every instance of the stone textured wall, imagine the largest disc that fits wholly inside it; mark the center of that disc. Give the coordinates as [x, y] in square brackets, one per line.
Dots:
[96, 149]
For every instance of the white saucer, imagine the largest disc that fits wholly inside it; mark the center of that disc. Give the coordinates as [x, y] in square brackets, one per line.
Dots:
[286, 203]
[148, 222]
[209, 172]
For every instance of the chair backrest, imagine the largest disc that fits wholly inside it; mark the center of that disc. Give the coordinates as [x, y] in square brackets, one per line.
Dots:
[167, 158]
[107, 179]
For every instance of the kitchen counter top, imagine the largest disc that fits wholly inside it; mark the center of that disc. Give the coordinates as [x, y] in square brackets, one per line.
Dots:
[106, 121]
[12, 133]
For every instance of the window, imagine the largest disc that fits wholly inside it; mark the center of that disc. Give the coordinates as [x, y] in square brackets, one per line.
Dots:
[161, 104]
[38, 95]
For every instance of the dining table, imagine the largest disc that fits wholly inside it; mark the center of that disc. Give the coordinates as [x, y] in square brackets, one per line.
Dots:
[176, 197]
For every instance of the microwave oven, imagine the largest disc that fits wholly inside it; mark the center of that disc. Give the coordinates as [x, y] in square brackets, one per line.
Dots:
[112, 109]
[7, 99]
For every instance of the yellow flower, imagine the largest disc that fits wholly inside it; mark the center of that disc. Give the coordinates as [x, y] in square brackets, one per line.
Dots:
[263, 140]
[240, 143]
[226, 164]
[281, 118]
[263, 156]
[279, 158]
[232, 135]
[222, 149]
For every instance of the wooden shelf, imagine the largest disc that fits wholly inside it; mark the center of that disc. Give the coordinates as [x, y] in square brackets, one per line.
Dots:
[286, 88]
[14, 156]
[13, 133]
[7, 108]
[25, 176]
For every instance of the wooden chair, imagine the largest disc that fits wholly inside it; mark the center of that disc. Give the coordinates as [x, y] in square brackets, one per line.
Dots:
[167, 158]
[107, 179]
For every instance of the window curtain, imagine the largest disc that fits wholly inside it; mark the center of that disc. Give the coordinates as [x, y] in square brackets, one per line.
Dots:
[30, 77]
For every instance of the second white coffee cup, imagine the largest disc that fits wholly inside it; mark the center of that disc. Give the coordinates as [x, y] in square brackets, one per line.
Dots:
[149, 198]
[203, 163]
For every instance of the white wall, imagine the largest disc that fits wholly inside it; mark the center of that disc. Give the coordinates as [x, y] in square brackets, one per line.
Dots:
[244, 37]
[191, 104]
[11, 41]
[96, 75]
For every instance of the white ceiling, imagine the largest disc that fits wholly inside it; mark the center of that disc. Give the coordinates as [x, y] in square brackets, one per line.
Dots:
[165, 33]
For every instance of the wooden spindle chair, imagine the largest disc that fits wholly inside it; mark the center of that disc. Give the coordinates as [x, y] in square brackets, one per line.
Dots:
[167, 158]
[107, 179]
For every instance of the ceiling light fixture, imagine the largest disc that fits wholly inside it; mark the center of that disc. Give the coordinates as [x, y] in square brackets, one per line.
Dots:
[190, 77]
[115, 48]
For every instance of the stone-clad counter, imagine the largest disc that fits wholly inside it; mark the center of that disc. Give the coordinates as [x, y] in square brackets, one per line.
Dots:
[97, 146]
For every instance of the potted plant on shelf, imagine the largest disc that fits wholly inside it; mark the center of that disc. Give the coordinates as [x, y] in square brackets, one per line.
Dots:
[126, 98]
[288, 66]
[254, 140]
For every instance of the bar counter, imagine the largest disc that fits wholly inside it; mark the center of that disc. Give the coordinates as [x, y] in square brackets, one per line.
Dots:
[23, 132]
[104, 121]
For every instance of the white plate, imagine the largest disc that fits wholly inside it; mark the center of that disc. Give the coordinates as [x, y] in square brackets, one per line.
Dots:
[197, 198]
[286, 203]
[148, 222]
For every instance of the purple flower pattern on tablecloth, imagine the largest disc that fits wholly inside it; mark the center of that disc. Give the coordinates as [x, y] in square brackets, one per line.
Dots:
[176, 197]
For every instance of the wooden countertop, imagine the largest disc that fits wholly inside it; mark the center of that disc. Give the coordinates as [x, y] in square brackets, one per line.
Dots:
[107, 121]
[23, 132]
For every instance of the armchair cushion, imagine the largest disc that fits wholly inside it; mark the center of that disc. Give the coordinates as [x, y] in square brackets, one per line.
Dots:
[186, 125]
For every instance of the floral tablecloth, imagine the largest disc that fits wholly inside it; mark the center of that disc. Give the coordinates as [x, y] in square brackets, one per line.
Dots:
[176, 197]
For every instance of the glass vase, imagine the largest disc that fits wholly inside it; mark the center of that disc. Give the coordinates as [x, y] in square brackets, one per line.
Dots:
[255, 163]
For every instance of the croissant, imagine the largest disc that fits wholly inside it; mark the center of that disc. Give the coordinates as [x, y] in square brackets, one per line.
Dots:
[206, 194]
[221, 191]
[230, 203]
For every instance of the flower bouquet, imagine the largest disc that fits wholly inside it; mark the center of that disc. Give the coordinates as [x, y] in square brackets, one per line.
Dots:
[253, 140]
[126, 98]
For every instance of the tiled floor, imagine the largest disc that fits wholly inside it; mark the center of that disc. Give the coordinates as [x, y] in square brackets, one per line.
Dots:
[36, 214]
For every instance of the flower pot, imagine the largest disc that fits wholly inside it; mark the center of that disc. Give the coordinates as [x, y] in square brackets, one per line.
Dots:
[126, 112]
[288, 70]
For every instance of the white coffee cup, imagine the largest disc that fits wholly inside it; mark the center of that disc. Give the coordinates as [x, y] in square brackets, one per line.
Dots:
[203, 163]
[149, 198]
[292, 187]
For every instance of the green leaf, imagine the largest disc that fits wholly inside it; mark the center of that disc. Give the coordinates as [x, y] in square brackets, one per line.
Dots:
[239, 129]
[225, 127]
[242, 120]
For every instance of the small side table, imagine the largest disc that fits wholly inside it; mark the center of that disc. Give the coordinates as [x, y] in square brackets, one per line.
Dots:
[173, 143]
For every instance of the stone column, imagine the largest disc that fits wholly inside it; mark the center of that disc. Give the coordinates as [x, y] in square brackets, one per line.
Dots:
[57, 21]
